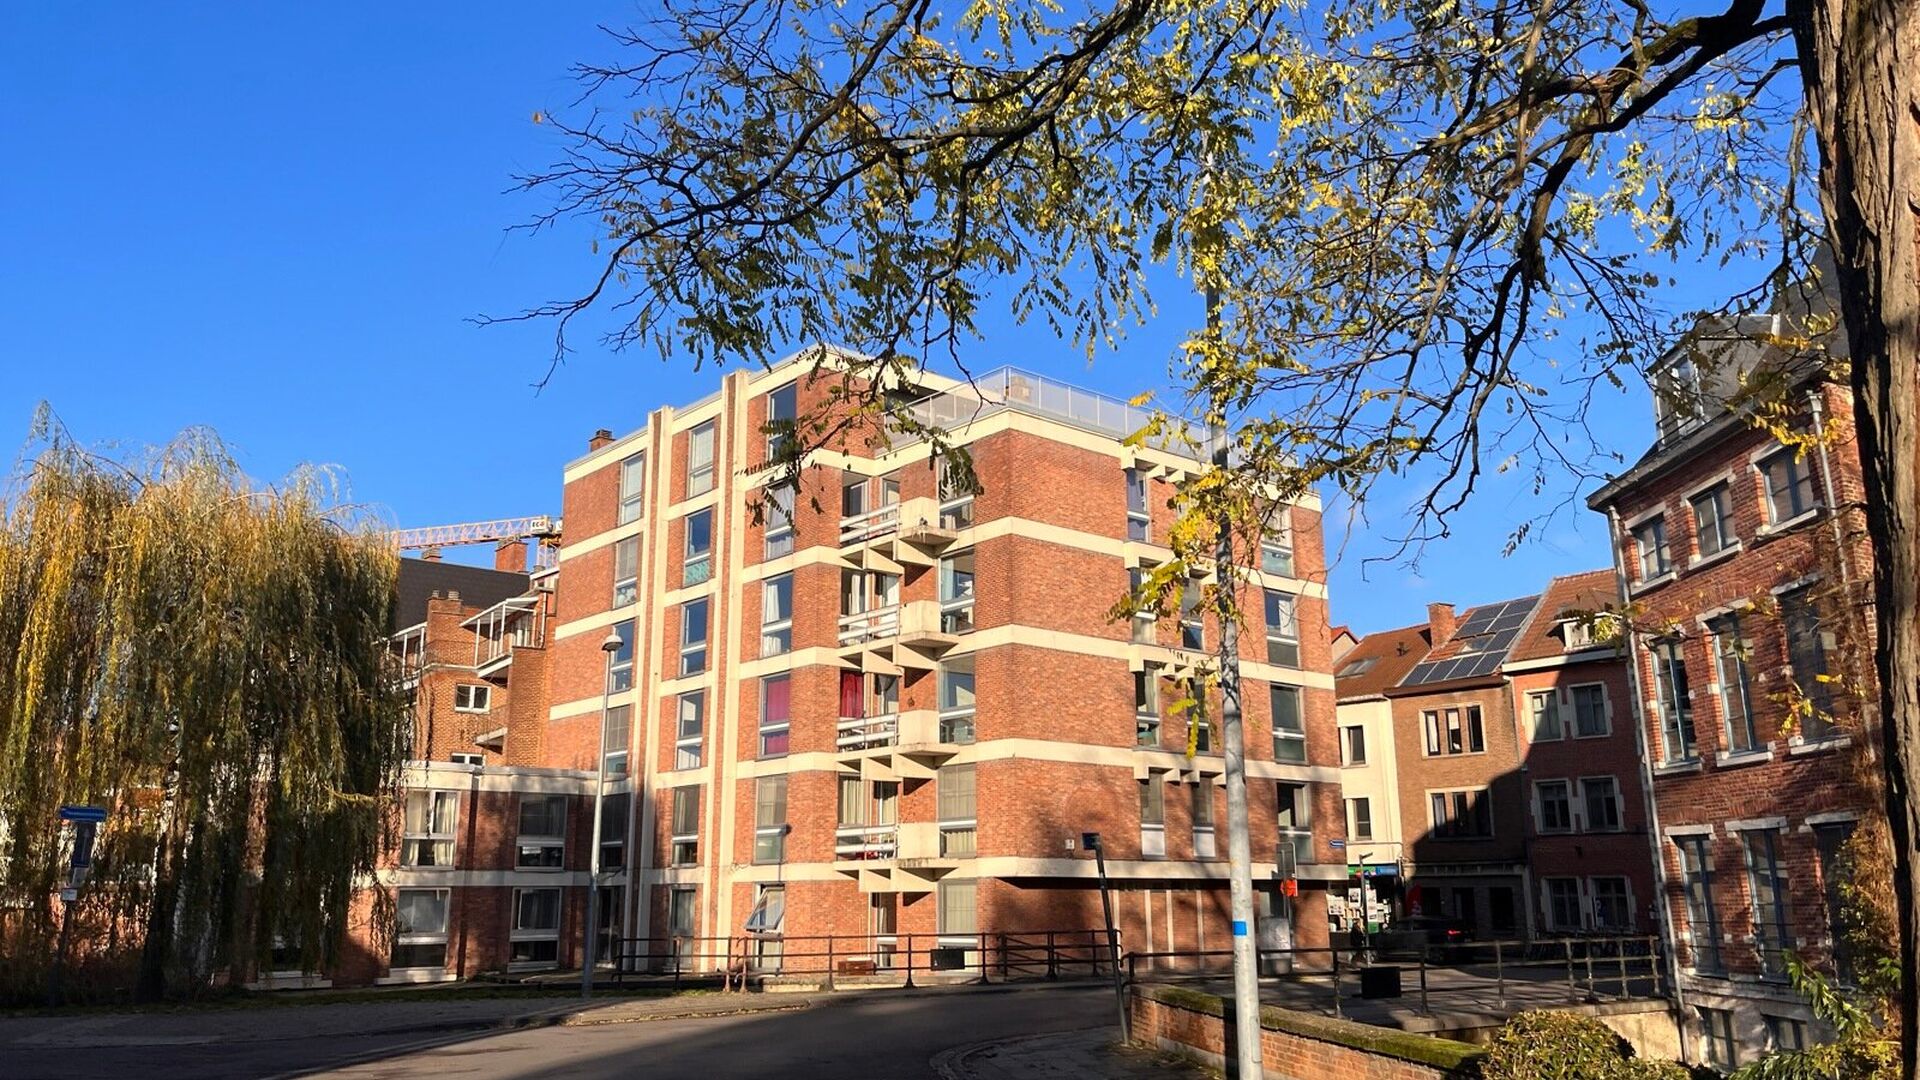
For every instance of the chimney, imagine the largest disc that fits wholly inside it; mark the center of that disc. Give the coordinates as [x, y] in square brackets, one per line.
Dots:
[511, 556]
[453, 595]
[1440, 622]
[432, 554]
[600, 438]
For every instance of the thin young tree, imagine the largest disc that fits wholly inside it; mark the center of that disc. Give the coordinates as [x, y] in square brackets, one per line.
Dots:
[1435, 228]
[205, 658]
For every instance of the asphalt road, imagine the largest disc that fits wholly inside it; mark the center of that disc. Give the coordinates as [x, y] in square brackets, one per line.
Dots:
[875, 1036]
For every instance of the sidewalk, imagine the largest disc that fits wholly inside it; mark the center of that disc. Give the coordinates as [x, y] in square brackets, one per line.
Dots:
[360, 1018]
[1095, 1054]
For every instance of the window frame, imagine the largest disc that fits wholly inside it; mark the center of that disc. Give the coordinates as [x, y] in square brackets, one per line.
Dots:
[412, 840]
[626, 586]
[776, 634]
[1360, 819]
[1448, 808]
[1535, 714]
[407, 937]
[777, 520]
[1768, 886]
[481, 692]
[1551, 905]
[956, 719]
[1281, 611]
[1139, 506]
[693, 651]
[1673, 691]
[696, 562]
[770, 729]
[1611, 785]
[548, 849]
[683, 825]
[689, 750]
[520, 934]
[1729, 647]
[1799, 481]
[702, 467]
[1542, 799]
[1146, 706]
[1624, 897]
[1604, 711]
[1653, 552]
[957, 598]
[620, 661]
[1719, 524]
[1292, 736]
[1703, 917]
[789, 396]
[632, 504]
[1352, 737]
[957, 817]
[770, 819]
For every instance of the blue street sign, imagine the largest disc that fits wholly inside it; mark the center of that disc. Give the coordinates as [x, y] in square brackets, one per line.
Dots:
[95, 814]
[1337, 845]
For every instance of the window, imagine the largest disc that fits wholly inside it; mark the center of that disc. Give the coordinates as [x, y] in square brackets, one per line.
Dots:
[956, 497]
[1143, 620]
[1676, 703]
[614, 812]
[1353, 745]
[620, 664]
[1556, 806]
[1359, 819]
[1650, 541]
[680, 911]
[1703, 919]
[686, 826]
[1716, 1026]
[619, 723]
[1139, 518]
[1601, 797]
[1576, 634]
[693, 637]
[698, 564]
[1200, 813]
[1807, 655]
[1200, 733]
[1289, 736]
[853, 497]
[1590, 711]
[1193, 629]
[956, 702]
[420, 929]
[1677, 398]
[1293, 814]
[777, 515]
[1153, 819]
[1784, 1033]
[1830, 840]
[1146, 707]
[1283, 629]
[1454, 731]
[700, 460]
[956, 594]
[776, 615]
[536, 927]
[783, 408]
[957, 802]
[1612, 905]
[770, 819]
[626, 571]
[776, 715]
[456, 758]
[471, 697]
[1357, 667]
[1713, 521]
[543, 832]
[431, 817]
[1544, 707]
[1563, 903]
[1767, 882]
[633, 488]
[1459, 815]
[769, 910]
[1730, 669]
[1789, 486]
[1276, 546]
[690, 731]
[956, 901]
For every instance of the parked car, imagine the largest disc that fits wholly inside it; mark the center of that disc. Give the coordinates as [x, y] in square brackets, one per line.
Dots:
[1431, 937]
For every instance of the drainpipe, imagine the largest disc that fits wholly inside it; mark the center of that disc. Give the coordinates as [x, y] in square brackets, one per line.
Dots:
[1663, 910]
[1833, 507]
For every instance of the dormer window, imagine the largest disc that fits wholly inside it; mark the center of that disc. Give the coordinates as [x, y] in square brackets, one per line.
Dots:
[1576, 634]
[1676, 398]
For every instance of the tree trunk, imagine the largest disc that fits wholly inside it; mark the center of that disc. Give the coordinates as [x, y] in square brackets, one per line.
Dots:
[1860, 61]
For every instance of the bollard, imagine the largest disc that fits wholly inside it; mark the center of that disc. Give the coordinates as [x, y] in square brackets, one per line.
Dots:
[1573, 992]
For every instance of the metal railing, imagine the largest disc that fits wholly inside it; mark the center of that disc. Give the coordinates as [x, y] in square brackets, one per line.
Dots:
[866, 842]
[870, 625]
[868, 959]
[1539, 973]
[1025, 391]
[875, 522]
[866, 732]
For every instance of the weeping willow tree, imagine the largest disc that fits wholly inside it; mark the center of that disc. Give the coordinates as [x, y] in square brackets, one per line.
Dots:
[205, 658]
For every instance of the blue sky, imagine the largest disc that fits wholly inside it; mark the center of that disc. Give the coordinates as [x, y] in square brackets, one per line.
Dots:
[278, 220]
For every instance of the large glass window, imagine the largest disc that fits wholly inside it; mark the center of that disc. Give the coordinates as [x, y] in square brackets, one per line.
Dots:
[776, 715]
[1789, 486]
[956, 914]
[1353, 745]
[1143, 619]
[778, 517]
[1283, 629]
[776, 615]
[542, 844]
[1612, 905]
[1461, 814]
[698, 564]
[1276, 545]
[1293, 817]
[1454, 730]
[690, 730]
[626, 571]
[1830, 841]
[1556, 806]
[956, 593]
[620, 665]
[700, 460]
[1153, 819]
[618, 736]
[685, 824]
[783, 408]
[1703, 918]
[1650, 541]
[1544, 708]
[956, 497]
[957, 702]
[1730, 652]
[536, 927]
[1193, 627]
[1359, 819]
[958, 799]
[1289, 732]
[1767, 883]
[1713, 521]
[1590, 711]
[1601, 796]
[431, 818]
[1139, 518]
[693, 637]
[633, 488]
[1807, 655]
[770, 819]
[1676, 702]
[1146, 707]
[420, 929]
[1717, 1028]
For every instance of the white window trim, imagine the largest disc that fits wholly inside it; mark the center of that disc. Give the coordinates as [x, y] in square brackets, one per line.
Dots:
[1532, 735]
[542, 840]
[1619, 805]
[1606, 711]
[486, 693]
[451, 837]
[440, 937]
[553, 935]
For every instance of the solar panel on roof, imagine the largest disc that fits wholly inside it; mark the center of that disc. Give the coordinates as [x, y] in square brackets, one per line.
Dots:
[1486, 634]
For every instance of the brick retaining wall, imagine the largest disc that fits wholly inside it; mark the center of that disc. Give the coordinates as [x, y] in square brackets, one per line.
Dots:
[1295, 1044]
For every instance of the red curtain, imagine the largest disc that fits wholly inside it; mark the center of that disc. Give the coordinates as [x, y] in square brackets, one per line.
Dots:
[852, 701]
[779, 701]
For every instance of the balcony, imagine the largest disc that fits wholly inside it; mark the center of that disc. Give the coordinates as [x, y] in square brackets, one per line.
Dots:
[866, 843]
[409, 648]
[507, 625]
[893, 858]
[868, 732]
[903, 746]
[888, 639]
[875, 523]
[866, 626]
[1037, 395]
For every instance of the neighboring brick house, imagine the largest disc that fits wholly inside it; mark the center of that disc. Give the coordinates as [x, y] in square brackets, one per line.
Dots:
[881, 707]
[1587, 839]
[1747, 590]
[1369, 766]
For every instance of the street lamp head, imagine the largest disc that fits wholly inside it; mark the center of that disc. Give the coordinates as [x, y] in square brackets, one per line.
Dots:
[612, 642]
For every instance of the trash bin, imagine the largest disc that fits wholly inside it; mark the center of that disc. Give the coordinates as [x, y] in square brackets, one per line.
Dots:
[1379, 982]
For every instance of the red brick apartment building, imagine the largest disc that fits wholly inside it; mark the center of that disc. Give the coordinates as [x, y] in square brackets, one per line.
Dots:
[491, 870]
[1746, 587]
[877, 708]
[1509, 780]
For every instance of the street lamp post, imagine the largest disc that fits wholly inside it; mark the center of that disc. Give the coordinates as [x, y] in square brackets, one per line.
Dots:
[588, 954]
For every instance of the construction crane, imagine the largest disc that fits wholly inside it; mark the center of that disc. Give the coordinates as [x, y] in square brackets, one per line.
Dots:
[431, 538]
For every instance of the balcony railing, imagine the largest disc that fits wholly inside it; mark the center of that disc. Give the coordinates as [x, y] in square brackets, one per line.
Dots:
[865, 732]
[878, 522]
[516, 621]
[410, 647]
[863, 842]
[1024, 391]
[871, 625]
